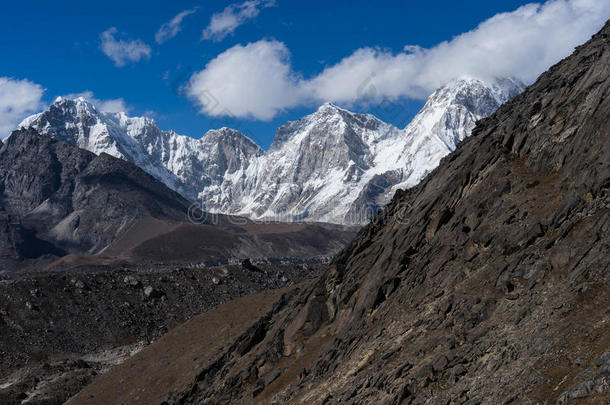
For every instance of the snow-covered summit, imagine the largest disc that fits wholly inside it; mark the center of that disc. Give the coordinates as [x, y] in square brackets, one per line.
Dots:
[448, 117]
[332, 165]
[183, 163]
[338, 166]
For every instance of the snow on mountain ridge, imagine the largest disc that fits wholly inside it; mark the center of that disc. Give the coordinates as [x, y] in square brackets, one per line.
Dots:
[448, 117]
[332, 165]
[337, 166]
[316, 165]
[181, 162]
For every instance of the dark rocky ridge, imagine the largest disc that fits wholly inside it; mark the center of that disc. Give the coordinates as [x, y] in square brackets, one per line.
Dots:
[486, 283]
[74, 200]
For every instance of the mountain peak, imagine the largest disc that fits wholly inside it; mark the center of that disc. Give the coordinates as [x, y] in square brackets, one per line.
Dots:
[501, 89]
[229, 135]
[328, 106]
[72, 101]
[226, 131]
[327, 119]
[316, 168]
[77, 105]
[466, 100]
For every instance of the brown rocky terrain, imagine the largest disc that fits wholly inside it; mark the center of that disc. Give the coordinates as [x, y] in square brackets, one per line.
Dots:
[189, 347]
[61, 329]
[486, 283]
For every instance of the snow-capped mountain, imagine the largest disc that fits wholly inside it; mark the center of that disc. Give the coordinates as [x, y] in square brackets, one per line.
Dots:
[338, 166]
[185, 164]
[448, 117]
[330, 166]
[315, 167]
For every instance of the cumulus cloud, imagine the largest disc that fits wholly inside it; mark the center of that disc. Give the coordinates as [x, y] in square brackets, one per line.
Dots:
[109, 105]
[172, 28]
[234, 15]
[18, 98]
[258, 81]
[123, 51]
[247, 81]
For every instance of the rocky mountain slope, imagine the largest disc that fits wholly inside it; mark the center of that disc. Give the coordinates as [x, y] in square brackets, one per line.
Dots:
[53, 194]
[486, 283]
[57, 200]
[331, 166]
[60, 330]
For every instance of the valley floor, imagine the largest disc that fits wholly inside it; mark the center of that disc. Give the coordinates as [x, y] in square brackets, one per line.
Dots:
[61, 330]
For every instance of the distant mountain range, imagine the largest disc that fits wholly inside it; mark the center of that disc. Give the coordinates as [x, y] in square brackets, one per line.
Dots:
[60, 201]
[331, 166]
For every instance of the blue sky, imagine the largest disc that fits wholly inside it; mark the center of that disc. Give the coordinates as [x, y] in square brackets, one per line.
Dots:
[58, 47]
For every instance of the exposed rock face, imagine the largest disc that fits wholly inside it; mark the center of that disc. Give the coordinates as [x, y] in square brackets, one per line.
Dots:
[324, 167]
[73, 199]
[485, 283]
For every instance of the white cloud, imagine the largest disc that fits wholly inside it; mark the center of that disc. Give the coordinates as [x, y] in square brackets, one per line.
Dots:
[234, 15]
[108, 105]
[257, 80]
[122, 51]
[250, 81]
[172, 28]
[18, 98]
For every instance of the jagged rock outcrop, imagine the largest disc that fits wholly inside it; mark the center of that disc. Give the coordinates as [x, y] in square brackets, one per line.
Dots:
[485, 283]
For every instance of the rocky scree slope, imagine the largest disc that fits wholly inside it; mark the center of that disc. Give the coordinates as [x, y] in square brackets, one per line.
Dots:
[60, 330]
[331, 166]
[496, 291]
